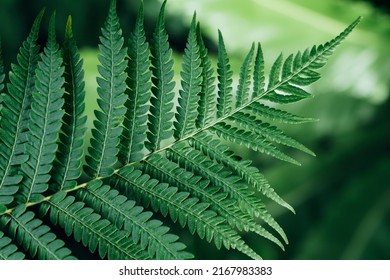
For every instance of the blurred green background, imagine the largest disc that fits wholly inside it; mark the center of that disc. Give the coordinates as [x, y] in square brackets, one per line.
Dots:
[342, 196]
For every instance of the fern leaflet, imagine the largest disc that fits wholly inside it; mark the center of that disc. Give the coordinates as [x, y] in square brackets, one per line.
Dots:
[45, 121]
[14, 114]
[124, 214]
[135, 122]
[191, 86]
[107, 130]
[161, 115]
[67, 167]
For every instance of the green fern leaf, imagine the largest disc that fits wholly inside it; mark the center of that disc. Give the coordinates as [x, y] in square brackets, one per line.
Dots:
[244, 81]
[171, 173]
[161, 115]
[35, 238]
[106, 132]
[135, 122]
[225, 74]
[67, 166]
[191, 83]
[206, 109]
[8, 250]
[203, 166]
[251, 140]
[258, 73]
[14, 114]
[276, 114]
[181, 207]
[89, 228]
[267, 131]
[300, 70]
[250, 174]
[45, 121]
[123, 213]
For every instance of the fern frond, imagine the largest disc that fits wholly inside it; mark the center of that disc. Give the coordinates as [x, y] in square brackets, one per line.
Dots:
[8, 250]
[300, 70]
[258, 73]
[250, 174]
[191, 83]
[201, 165]
[124, 214]
[33, 236]
[206, 109]
[225, 74]
[250, 140]
[271, 133]
[160, 119]
[180, 207]
[67, 166]
[242, 95]
[106, 132]
[135, 122]
[171, 173]
[45, 121]
[15, 114]
[89, 228]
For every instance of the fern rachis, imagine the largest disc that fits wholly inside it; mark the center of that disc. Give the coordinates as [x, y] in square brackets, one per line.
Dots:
[196, 181]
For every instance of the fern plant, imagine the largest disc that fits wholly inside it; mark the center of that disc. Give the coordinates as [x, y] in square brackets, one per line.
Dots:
[148, 153]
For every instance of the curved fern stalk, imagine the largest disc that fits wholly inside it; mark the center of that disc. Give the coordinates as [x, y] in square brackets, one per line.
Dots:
[45, 121]
[169, 172]
[123, 213]
[8, 250]
[250, 174]
[258, 73]
[160, 118]
[181, 207]
[225, 74]
[106, 132]
[242, 95]
[89, 228]
[206, 109]
[200, 164]
[191, 83]
[135, 122]
[67, 166]
[15, 114]
[34, 237]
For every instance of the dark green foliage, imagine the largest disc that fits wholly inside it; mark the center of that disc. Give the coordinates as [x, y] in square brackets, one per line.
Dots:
[45, 121]
[161, 115]
[224, 101]
[206, 112]
[34, 237]
[140, 160]
[125, 214]
[107, 126]
[134, 132]
[15, 114]
[191, 84]
[68, 166]
[8, 250]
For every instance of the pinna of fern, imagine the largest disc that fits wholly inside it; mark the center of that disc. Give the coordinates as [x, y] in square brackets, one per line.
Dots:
[145, 155]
